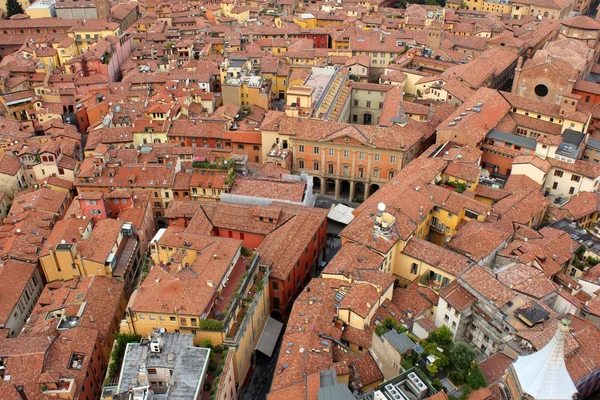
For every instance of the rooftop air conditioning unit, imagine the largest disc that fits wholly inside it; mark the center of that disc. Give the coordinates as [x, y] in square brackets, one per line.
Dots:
[154, 347]
[416, 386]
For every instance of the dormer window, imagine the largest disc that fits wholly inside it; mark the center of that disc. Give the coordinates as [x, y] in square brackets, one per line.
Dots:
[76, 361]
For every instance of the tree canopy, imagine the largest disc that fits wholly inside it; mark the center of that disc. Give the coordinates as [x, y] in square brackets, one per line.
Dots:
[387, 325]
[442, 336]
[461, 356]
[13, 7]
[475, 379]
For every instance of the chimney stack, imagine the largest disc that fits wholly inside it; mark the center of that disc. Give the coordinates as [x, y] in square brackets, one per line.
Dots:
[21, 391]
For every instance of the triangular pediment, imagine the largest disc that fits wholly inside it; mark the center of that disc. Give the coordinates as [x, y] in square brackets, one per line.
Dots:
[348, 135]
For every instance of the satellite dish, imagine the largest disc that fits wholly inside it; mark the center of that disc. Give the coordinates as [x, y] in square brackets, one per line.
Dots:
[381, 207]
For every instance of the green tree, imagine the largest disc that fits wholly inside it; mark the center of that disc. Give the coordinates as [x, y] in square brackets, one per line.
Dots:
[457, 378]
[461, 356]
[387, 325]
[440, 363]
[466, 391]
[13, 7]
[475, 379]
[580, 251]
[442, 336]
[437, 384]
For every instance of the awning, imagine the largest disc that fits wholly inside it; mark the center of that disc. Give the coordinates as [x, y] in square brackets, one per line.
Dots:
[269, 337]
[341, 213]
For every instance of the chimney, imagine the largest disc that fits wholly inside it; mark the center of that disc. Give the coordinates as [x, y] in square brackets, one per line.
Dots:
[517, 75]
[21, 391]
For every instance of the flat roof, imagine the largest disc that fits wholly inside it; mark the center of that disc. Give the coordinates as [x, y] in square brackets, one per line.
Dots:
[510, 138]
[189, 364]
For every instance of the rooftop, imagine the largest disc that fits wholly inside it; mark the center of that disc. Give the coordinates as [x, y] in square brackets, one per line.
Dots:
[185, 363]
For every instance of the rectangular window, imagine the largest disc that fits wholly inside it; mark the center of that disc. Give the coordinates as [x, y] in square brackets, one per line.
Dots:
[377, 156]
[345, 170]
[331, 152]
[446, 318]
[172, 319]
[330, 169]
[558, 173]
[471, 214]
[555, 185]
[183, 321]
[361, 155]
[346, 154]
[301, 148]
[315, 166]
[316, 150]
[576, 178]
[301, 164]
[375, 173]
[392, 159]
[390, 174]
[414, 268]
[368, 104]
[571, 190]
[275, 285]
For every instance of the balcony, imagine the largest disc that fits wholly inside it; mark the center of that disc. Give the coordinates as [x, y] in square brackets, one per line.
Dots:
[438, 227]
[259, 280]
[64, 388]
[279, 153]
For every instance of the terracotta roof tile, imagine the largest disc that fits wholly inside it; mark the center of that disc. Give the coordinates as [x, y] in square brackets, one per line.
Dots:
[275, 189]
[283, 247]
[486, 285]
[478, 240]
[457, 296]
[435, 255]
[528, 280]
[494, 367]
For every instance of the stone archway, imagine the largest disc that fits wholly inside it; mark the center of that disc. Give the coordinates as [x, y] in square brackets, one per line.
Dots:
[373, 187]
[359, 191]
[330, 187]
[316, 184]
[345, 190]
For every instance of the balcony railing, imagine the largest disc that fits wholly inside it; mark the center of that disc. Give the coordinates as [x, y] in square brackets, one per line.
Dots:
[233, 336]
[439, 227]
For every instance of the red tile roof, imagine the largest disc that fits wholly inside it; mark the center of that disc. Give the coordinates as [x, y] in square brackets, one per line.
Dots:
[494, 367]
[457, 296]
[437, 256]
[486, 285]
[275, 189]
